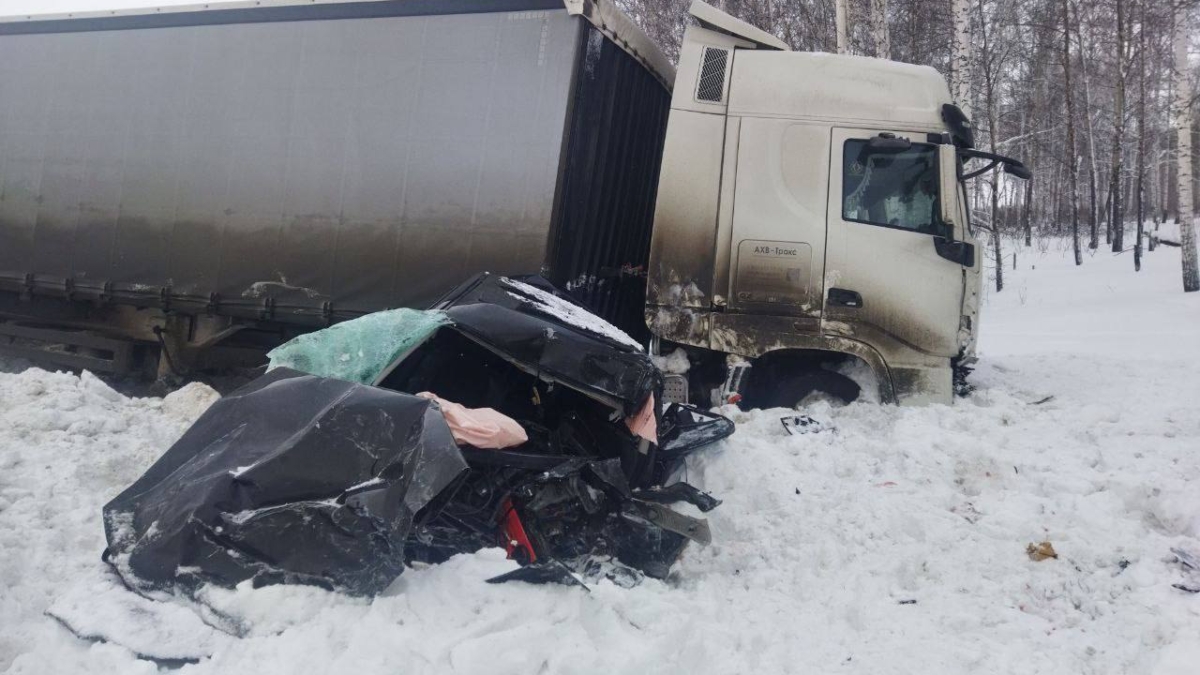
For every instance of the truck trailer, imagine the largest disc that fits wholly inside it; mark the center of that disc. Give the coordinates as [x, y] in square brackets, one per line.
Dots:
[186, 187]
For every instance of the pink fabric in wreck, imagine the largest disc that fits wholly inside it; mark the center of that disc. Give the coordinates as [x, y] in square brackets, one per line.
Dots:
[643, 423]
[479, 427]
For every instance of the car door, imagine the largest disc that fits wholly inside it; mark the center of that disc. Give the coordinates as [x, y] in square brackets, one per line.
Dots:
[884, 278]
[777, 248]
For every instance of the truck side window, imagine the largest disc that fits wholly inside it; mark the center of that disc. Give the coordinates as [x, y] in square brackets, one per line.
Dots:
[891, 188]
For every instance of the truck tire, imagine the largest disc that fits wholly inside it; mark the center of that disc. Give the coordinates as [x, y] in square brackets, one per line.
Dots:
[788, 391]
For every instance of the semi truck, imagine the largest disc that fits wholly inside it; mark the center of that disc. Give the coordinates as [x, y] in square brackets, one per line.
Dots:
[186, 187]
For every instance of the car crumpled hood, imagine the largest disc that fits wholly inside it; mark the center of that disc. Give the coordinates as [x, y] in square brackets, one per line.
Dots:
[292, 478]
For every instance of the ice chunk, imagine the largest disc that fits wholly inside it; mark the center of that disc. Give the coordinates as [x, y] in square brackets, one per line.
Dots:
[188, 402]
[358, 350]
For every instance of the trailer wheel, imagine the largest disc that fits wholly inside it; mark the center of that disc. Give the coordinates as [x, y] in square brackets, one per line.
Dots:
[789, 391]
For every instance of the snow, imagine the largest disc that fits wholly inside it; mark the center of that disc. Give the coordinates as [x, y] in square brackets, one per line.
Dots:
[675, 363]
[891, 542]
[570, 314]
[1101, 310]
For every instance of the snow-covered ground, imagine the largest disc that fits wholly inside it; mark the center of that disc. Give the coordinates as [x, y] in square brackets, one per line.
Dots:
[892, 543]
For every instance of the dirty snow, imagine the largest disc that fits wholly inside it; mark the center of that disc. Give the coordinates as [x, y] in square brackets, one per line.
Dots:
[893, 542]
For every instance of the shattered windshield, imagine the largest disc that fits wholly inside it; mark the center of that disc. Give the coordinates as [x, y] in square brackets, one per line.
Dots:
[891, 188]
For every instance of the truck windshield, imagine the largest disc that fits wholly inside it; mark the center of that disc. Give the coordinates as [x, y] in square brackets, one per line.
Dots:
[891, 188]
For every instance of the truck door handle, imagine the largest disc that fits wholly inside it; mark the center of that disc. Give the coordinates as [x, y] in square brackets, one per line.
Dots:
[840, 297]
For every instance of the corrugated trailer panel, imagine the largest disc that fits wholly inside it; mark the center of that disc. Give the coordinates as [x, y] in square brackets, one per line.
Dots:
[282, 168]
[615, 137]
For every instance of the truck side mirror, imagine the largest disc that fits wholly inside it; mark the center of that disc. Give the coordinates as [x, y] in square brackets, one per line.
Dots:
[948, 192]
[1019, 170]
[959, 126]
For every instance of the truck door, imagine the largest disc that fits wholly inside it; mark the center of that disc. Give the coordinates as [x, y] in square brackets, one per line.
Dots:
[884, 278]
[777, 247]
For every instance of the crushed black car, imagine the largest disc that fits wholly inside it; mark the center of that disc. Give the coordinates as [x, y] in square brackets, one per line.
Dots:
[505, 415]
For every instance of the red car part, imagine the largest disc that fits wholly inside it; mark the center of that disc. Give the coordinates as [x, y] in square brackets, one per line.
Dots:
[517, 543]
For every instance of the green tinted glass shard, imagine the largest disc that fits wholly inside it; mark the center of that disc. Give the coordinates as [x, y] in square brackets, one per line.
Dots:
[358, 350]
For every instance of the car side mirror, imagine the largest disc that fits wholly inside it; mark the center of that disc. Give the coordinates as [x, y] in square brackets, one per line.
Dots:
[948, 187]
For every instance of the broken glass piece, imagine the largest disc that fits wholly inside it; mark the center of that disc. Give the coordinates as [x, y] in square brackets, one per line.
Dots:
[359, 350]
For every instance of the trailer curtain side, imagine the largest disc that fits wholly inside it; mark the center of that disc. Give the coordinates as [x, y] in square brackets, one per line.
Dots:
[308, 168]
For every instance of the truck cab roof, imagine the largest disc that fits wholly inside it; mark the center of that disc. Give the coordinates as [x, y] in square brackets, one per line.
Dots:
[837, 88]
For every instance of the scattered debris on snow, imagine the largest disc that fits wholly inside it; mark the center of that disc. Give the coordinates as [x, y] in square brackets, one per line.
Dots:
[1040, 552]
[801, 424]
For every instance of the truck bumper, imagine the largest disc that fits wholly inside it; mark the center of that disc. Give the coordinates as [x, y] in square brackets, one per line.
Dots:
[904, 375]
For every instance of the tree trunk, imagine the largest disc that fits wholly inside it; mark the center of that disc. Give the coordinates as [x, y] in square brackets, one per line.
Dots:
[989, 93]
[1141, 140]
[1158, 205]
[1183, 130]
[1117, 218]
[960, 56]
[1056, 209]
[1027, 213]
[1072, 153]
[1106, 215]
[1093, 216]
[1093, 172]
[842, 8]
[879, 29]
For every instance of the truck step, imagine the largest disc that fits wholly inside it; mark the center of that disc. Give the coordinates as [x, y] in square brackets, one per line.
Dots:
[675, 388]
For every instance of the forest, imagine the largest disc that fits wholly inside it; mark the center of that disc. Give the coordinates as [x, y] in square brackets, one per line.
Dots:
[1097, 98]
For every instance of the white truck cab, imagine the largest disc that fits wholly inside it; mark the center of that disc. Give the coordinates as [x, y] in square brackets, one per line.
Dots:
[810, 208]
[784, 218]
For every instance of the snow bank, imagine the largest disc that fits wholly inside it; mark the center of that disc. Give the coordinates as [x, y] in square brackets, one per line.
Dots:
[67, 445]
[893, 542]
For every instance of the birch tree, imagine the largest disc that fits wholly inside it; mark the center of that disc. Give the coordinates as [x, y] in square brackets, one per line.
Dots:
[1182, 109]
[1093, 167]
[879, 29]
[1072, 153]
[842, 9]
[990, 70]
[1117, 218]
[960, 55]
[1140, 190]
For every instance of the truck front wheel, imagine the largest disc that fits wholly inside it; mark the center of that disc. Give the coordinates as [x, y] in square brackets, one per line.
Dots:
[772, 390]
